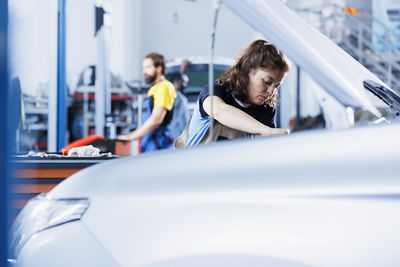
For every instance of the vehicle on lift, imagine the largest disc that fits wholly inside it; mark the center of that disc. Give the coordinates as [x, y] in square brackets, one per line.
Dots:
[312, 198]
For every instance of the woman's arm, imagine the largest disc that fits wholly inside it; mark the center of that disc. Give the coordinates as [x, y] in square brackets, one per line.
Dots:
[156, 118]
[235, 118]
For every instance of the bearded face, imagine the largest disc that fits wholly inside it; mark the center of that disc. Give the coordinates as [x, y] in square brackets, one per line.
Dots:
[150, 72]
[149, 79]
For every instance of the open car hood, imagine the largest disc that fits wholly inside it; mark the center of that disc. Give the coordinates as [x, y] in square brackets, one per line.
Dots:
[331, 67]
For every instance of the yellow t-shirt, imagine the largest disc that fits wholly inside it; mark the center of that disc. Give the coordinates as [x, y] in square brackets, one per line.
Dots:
[164, 94]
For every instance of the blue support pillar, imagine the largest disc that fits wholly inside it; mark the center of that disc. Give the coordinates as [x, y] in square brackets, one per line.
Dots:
[62, 93]
[4, 135]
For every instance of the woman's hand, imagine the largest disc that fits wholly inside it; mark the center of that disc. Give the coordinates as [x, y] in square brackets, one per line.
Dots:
[275, 131]
[124, 137]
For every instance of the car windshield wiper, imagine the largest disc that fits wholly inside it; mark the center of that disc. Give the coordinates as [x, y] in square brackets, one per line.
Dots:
[387, 95]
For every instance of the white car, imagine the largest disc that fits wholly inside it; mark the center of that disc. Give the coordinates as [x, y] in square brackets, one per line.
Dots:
[327, 198]
[312, 198]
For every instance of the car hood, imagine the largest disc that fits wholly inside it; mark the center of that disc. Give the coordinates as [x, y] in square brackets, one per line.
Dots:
[335, 70]
[167, 204]
[187, 170]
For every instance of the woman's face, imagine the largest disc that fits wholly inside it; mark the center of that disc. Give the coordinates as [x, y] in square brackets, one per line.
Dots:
[262, 84]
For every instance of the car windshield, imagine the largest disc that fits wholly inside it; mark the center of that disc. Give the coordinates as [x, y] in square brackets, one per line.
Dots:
[197, 80]
[198, 77]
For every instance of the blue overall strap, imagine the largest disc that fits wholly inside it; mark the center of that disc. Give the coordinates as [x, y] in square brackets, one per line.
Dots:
[159, 138]
[180, 115]
[198, 127]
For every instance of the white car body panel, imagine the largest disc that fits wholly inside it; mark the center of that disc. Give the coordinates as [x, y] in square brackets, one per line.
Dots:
[48, 248]
[277, 204]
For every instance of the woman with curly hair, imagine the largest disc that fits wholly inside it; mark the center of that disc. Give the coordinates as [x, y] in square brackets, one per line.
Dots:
[244, 99]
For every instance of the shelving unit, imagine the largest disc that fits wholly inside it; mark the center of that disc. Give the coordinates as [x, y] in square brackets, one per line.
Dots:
[81, 106]
[82, 111]
[33, 136]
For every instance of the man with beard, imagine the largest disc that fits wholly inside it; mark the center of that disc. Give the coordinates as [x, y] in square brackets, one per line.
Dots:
[157, 107]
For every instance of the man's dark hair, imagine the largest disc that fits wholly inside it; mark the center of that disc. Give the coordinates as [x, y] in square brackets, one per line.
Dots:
[260, 54]
[158, 60]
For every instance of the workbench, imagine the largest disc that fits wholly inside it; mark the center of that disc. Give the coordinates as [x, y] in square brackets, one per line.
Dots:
[35, 175]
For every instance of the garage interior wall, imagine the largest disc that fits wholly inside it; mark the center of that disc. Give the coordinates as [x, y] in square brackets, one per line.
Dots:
[175, 28]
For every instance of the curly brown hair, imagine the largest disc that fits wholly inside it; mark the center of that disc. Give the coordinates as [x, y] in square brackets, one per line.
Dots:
[259, 54]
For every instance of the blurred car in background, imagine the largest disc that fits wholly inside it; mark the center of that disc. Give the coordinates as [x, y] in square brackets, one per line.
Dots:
[196, 74]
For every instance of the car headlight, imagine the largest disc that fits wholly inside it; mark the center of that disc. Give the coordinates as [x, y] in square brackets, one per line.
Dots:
[41, 213]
